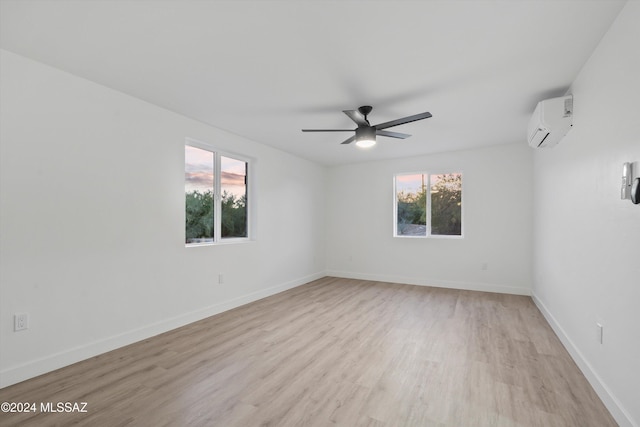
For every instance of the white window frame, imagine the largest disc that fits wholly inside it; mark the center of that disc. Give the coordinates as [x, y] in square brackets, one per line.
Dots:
[217, 194]
[428, 234]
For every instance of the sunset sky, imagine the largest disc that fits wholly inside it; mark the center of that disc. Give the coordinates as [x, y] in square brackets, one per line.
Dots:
[412, 183]
[199, 174]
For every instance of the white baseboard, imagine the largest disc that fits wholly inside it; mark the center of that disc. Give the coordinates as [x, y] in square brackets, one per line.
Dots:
[33, 368]
[618, 412]
[470, 286]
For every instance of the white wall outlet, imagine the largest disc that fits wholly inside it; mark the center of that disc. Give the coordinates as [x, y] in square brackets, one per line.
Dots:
[599, 332]
[20, 321]
[485, 266]
[220, 279]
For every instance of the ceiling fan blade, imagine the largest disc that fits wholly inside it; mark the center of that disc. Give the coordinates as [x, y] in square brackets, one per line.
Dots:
[327, 130]
[357, 117]
[392, 134]
[350, 140]
[402, 121]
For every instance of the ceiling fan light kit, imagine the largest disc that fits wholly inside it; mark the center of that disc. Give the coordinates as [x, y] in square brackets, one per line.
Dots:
[365, 136]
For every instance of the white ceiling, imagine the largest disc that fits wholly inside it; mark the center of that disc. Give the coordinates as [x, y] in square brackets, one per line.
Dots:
[266, 69]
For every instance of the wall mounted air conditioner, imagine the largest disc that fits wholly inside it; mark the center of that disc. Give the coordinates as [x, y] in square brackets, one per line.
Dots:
[551, 121]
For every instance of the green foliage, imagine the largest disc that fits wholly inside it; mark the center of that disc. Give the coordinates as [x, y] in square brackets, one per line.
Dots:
[412, 207]
[199, 215]
[200, 221]
[446, 211]
[446, 205]
[234, 215]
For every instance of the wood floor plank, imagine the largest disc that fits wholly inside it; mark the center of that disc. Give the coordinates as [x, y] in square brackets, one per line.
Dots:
[334, 352]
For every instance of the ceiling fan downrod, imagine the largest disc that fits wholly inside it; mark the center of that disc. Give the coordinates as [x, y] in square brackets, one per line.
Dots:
[365, 110]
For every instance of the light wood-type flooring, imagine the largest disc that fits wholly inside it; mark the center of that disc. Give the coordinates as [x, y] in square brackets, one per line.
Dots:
[334, 352]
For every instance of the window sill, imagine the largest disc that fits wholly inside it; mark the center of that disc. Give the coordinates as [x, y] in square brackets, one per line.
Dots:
[434, 236]
[220, 243]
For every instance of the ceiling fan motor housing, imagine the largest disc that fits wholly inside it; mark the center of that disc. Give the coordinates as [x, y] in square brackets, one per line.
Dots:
[365, 133]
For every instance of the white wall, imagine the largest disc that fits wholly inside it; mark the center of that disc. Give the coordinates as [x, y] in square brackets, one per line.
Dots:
[587, 240]
[92, 221]
[496, 222]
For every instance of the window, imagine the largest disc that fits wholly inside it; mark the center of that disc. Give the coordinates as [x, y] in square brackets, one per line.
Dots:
[199, 184]
[233, 186]
[216, 195]
[428, 205]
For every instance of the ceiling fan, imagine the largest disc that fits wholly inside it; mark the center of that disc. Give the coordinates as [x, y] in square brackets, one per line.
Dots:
[366, 133]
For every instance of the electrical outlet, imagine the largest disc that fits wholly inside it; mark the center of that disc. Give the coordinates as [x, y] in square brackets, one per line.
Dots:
[485, 266]
[220, 279]
[20, 321]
